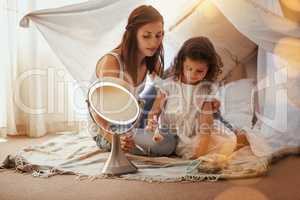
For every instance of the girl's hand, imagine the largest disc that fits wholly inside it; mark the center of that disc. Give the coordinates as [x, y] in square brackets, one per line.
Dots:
[127, 142]
[241, 138]
[215, 105]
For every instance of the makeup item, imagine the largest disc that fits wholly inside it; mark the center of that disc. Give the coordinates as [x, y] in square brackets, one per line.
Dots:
[157, 137]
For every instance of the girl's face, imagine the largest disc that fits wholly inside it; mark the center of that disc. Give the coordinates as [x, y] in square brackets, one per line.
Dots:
[193, 71]
[149, 38]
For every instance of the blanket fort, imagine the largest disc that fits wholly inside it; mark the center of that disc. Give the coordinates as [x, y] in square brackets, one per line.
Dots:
[80, 34]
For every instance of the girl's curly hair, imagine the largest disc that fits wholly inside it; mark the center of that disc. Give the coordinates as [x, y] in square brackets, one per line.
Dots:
[198, 49]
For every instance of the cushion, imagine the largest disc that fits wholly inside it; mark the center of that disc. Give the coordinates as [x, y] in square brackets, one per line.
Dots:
[236, 102]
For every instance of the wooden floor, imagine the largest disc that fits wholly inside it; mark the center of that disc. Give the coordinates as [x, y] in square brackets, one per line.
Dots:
[281, 183]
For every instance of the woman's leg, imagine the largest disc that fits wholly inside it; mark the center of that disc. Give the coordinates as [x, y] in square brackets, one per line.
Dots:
[147, 147]
[102, 143]
[95, 132]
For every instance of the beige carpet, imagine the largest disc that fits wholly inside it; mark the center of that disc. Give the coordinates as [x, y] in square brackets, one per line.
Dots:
[282, 182]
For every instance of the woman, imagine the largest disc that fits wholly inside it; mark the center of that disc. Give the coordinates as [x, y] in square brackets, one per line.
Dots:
[140, 52]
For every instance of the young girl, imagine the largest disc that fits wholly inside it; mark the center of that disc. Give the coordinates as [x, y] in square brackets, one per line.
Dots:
[188, 110]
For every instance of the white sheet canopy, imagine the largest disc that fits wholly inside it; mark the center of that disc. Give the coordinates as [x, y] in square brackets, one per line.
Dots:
[80, 34]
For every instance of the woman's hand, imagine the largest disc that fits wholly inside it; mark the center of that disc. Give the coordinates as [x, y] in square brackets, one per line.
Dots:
[152, 123]
[127, 142]
[157, 107]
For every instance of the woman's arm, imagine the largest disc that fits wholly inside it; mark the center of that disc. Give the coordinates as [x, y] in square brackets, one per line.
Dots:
[156, 110]
[108, 66]
[205, 123]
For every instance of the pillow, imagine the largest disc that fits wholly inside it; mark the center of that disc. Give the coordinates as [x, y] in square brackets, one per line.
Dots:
[236, 102]
[238, 72]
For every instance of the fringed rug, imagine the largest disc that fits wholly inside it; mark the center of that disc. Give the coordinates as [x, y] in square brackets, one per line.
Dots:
[77, 153]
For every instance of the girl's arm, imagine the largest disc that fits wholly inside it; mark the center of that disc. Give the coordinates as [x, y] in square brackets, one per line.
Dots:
[205, 123]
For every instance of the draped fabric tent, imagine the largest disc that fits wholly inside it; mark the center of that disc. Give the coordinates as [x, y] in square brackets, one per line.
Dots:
[80, 34]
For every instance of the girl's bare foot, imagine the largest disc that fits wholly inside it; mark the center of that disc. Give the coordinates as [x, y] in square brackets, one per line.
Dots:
[241, 139]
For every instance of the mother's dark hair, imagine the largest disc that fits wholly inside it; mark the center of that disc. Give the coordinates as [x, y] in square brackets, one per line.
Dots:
[139, 17]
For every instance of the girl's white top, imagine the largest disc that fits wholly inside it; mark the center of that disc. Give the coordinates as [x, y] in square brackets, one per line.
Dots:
[181, 112]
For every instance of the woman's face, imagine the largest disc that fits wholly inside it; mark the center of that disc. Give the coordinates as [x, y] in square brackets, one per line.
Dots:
[194, 71]
[149, 38]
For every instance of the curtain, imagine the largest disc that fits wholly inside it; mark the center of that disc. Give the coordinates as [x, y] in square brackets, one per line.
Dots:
[38, 95]
[81, 33]
[280, 89]
[278, 74]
